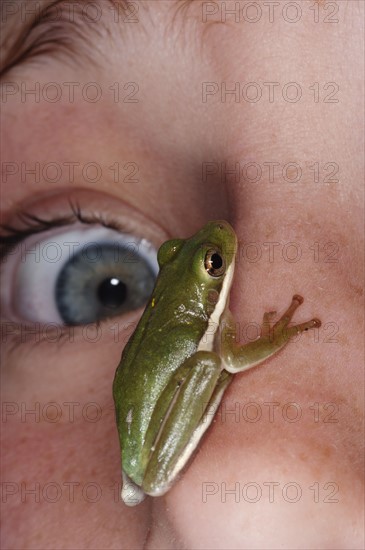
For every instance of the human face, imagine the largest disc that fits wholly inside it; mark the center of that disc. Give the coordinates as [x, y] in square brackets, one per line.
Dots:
[153, 118]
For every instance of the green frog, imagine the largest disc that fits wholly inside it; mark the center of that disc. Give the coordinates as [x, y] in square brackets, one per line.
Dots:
[181, 358]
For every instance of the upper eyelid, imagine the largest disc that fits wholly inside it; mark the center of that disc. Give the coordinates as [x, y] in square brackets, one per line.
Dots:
[33, 224]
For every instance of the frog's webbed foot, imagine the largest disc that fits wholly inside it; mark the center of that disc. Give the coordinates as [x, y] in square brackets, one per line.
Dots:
[238, 358]
[280, 329]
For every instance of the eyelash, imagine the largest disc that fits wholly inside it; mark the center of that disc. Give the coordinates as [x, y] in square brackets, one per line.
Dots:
[34, 224]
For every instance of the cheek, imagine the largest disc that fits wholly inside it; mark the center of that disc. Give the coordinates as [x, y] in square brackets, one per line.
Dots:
[58, 415]
[61, 456]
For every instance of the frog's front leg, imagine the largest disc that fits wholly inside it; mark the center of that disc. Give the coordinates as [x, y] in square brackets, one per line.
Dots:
[179, 413]
[238, 358]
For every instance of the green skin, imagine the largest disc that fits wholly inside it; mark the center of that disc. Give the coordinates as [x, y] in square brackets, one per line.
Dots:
[181, 358]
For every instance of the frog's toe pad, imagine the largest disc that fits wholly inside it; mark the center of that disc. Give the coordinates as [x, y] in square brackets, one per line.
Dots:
[131, 494]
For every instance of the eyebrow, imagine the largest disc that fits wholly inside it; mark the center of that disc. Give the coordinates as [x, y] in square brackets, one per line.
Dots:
[19, 18]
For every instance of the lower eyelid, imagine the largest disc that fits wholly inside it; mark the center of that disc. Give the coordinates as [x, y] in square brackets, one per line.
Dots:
[38, 334]
[27, 337]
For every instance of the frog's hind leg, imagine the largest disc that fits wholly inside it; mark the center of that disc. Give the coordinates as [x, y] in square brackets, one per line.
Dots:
[205, 421]
[197, 384]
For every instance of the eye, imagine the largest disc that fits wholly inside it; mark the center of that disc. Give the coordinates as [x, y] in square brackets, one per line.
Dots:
[78, 276]
[214, 262]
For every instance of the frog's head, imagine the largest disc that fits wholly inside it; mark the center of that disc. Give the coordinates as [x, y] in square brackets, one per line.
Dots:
[203, 263]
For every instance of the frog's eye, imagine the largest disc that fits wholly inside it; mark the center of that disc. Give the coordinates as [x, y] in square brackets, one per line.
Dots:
[214, 262]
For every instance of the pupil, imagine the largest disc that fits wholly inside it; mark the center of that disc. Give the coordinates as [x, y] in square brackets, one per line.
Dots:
[112, 292]
[216, 261]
